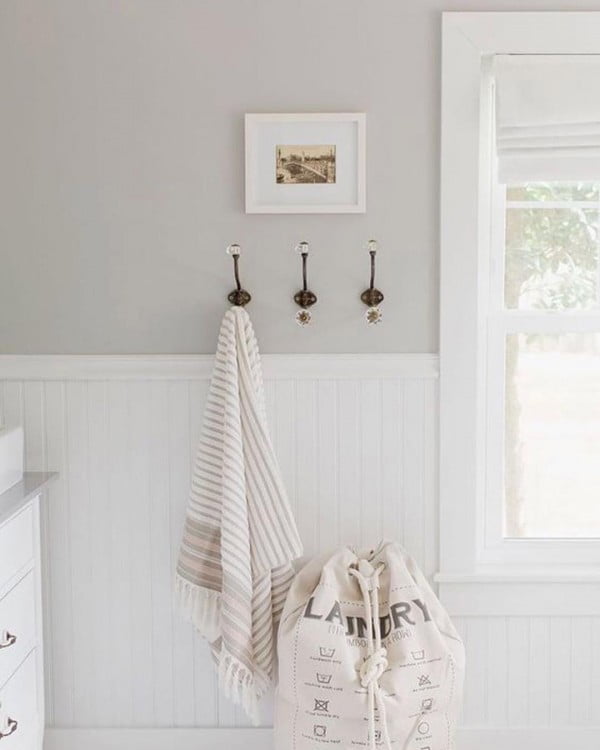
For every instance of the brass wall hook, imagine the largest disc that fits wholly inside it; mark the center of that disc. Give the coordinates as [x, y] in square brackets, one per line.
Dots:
[372, 297]
[238, 297]
[304, 298]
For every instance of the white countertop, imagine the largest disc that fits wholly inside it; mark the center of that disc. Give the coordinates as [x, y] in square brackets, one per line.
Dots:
[19, 494]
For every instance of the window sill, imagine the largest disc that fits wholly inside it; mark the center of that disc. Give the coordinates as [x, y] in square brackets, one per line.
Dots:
[561, 575]
[572, 593]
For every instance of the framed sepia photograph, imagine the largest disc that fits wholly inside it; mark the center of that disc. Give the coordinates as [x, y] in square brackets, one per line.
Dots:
[306, 163]
[302, 164]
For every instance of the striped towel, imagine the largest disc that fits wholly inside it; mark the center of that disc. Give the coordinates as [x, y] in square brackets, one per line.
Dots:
[240, 538]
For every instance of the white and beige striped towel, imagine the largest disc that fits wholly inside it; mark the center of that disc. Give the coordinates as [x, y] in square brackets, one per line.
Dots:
[240, 537]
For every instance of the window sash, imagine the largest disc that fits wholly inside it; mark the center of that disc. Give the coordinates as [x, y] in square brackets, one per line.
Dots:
[494, 547]
[552, 204]
[545, 323]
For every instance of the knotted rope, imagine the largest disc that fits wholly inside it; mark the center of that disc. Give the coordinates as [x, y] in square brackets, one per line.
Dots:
[376, 662]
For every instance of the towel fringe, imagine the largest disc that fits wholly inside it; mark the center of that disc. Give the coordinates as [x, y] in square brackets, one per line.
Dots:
[239, 684]
[200, 606]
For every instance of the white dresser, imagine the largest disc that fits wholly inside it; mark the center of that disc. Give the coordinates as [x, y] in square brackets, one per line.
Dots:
[21, 656]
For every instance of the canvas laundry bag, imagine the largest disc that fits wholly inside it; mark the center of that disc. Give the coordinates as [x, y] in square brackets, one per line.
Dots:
[396, 683]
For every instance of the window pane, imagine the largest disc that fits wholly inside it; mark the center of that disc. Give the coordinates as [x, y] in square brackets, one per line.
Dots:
[551, 260]
[552, 439]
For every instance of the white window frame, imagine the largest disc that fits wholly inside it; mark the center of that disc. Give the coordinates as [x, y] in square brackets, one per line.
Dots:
[472, 378]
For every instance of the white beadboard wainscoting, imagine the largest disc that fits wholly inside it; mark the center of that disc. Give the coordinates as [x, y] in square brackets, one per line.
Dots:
[357, 440]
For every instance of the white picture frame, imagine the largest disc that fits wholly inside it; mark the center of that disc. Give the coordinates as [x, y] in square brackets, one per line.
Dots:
[309, 163]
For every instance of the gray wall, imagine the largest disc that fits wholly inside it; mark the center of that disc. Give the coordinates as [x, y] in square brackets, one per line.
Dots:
[121, 170]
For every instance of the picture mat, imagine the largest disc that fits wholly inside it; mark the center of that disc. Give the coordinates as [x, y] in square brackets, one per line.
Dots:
[266, 136]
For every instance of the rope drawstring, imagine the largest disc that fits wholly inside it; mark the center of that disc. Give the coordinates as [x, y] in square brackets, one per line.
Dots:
[376, 662]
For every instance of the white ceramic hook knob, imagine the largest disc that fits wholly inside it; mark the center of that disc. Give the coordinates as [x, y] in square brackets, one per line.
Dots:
[302, 247]
[372, 246]
[233, 249]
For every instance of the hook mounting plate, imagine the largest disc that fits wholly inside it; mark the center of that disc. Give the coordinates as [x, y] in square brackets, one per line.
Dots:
[372, 297]
[305, 298]
[239, 297]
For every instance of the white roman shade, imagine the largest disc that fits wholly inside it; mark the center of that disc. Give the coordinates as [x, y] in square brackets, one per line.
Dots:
[547, 117]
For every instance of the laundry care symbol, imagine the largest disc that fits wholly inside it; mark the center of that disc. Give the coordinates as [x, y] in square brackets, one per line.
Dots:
[426, 704]
[320, 730]
[326, 653]
[424, 680]
[321, 705]
[323, 679]
[423, 728]
[418, 655]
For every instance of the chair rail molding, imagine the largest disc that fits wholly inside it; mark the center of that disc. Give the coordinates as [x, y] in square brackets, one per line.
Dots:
[199, 366]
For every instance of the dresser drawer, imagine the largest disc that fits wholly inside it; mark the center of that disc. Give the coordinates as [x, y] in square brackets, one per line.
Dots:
[17, 626]
[16, 544]
[19, 702]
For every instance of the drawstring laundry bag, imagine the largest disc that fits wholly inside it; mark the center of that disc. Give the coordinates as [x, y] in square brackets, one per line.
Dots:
[368, 657]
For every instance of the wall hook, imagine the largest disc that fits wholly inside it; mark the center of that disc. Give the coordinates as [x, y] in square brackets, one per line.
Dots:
[238, 297]
[304, 298]
[372, 297]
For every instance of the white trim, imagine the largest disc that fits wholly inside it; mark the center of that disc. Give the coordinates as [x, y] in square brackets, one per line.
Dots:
[522, 321]
[199, 366]
[466, 213]
[522, 591]
[530, 32]
[521, 598]
[459, 289]
[546, 205]
[469, 738]
[158, 739]
[522, 575]
[39, 618]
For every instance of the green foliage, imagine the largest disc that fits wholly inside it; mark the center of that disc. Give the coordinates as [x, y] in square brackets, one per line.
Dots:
[552, 253]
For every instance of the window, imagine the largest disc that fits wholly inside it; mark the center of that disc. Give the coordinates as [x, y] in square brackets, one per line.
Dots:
[520, 295]
[549, 242]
